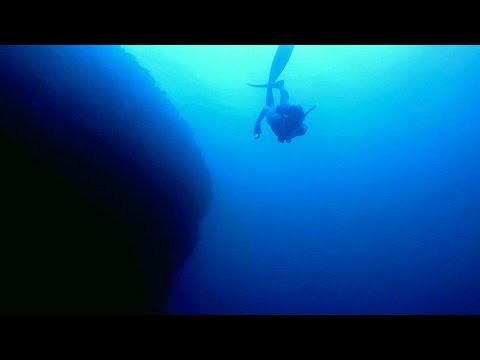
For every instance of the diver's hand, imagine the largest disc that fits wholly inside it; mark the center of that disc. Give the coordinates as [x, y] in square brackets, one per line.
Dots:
[257, 131]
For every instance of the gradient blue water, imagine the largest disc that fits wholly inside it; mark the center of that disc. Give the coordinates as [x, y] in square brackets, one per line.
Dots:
[374, 211]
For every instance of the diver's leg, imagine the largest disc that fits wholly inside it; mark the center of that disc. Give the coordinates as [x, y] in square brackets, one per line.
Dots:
[284, 96]
[269, 101]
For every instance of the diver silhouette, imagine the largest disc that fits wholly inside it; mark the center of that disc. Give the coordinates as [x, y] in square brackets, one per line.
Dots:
[285, 120]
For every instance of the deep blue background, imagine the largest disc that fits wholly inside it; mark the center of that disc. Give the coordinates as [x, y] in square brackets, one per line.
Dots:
[375, 211]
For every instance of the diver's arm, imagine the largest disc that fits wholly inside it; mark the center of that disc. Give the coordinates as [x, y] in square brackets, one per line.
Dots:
[258, 129]
[309, 110]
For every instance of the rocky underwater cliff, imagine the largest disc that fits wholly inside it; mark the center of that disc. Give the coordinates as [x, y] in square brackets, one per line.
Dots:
[102, 188]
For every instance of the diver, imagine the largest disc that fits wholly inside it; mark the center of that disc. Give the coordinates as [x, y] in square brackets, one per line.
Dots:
[285, 120]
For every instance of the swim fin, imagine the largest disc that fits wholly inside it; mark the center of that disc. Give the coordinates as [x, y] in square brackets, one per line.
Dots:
[280, 60]
[277, 85]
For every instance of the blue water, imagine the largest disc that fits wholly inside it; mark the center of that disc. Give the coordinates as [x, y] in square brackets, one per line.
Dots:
[374, 211]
